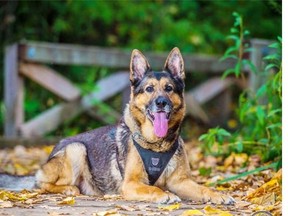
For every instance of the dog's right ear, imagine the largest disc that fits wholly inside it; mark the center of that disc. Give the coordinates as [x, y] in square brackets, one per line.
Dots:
[138, 66]
[175, 64]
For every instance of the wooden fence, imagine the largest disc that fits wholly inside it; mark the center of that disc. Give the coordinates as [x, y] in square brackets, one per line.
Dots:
[28, 59]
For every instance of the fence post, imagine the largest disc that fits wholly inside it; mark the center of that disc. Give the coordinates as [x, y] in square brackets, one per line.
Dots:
[13, 92]
[259, 50]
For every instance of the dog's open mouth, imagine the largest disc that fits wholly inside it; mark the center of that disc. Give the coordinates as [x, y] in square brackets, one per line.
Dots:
[160, 122]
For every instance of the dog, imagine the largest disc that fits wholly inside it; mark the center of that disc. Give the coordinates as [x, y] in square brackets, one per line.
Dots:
[143, 156]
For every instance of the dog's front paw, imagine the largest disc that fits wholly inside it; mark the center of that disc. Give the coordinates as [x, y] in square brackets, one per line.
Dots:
[167, 198]
[218, 198]
[223, 199]
[71, 191]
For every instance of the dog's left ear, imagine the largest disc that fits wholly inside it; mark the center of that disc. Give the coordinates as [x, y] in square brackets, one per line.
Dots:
[175, 64]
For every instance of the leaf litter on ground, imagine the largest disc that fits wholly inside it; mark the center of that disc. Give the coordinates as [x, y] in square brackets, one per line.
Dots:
[254, 192]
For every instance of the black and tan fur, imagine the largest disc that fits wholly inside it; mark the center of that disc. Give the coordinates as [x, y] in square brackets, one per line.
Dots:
[106, 161]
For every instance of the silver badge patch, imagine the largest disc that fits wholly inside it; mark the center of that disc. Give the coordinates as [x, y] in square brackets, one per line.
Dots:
[155, 161]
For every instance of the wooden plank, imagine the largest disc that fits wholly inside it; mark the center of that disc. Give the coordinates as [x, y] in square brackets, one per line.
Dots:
[209, 89]
[110, 57]
[13, 92]
[202, 94]
[107, 87]
[52, 118]
[51, 80]
[125, 97]
[222, 106]
[6, 142]
[107, 115]
[260, 49]
[193, 108]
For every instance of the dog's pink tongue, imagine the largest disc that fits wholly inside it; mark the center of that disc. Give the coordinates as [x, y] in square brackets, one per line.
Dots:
[160, 124]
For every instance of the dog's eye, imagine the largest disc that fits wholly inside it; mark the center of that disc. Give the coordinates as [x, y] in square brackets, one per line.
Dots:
[150, 89]
[168, 88]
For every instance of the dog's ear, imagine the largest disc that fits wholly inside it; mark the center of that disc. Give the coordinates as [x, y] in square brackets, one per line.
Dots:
[175, 64]
[138, 66]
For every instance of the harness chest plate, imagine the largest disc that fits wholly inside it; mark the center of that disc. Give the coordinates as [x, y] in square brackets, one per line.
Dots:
[155, 162]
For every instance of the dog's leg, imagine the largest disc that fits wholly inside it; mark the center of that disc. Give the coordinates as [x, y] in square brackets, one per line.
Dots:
[66, 172]
[56, 176]
[139, 191]
[186, 188]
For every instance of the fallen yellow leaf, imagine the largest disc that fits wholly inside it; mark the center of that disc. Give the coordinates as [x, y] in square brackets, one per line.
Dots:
[55, 213]
[111, 212]
[21, 169]
[170, 207]
[211, 211]
[5, 204]
[221, 188]
[48, 149]
[266, 199]
[11, 196]
[268, 191]
[125, 207]
[236, 159]
[264, 208]
[192, 212]
[67, 201]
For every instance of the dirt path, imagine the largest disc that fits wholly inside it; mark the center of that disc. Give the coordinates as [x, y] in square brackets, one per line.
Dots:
[84, 205]
[262, 191]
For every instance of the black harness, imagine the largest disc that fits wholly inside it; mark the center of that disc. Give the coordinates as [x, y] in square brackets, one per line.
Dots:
[155, 162]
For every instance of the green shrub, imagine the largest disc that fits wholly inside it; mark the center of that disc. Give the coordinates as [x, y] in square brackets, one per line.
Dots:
[261, 128]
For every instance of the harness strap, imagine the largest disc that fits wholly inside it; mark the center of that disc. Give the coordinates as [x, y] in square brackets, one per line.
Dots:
[155, 162]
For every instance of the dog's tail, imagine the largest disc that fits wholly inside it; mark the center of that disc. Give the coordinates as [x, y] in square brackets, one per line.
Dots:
[17, 183]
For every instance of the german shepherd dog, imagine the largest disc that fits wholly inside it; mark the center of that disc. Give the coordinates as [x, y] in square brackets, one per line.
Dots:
[143, 156]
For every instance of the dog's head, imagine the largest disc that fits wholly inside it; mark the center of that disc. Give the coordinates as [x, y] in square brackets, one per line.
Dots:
[157, 102]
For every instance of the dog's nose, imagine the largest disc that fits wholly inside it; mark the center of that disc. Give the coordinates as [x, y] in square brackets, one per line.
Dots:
[161, 102]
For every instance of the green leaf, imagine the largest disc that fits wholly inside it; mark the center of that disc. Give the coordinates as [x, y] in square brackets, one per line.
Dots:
[227, 72]
[259, 169]
[233, 37]
[260, 115]
[238, 44]
[239, 146]
[246, 32]
[248, 50]
[202, 137]
[262, 90]
[272, 57]
[251, 65]
[273, 112]
[275, 45]
[229, 50]
[280, 39]
[238, 68]
[276, 125]
[205, 171]
[270, 66]
[223, 132]
[234, 30]
[264, 141]
[235, 14]
[227, 57]
[60, 25]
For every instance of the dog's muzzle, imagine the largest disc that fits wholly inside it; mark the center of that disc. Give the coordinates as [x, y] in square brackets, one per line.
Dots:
[159, 114]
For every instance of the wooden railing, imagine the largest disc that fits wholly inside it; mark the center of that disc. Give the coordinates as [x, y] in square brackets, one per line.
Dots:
[28, 59]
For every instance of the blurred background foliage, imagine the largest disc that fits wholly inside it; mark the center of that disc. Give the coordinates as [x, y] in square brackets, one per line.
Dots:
[194, 26]
[259, 112]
